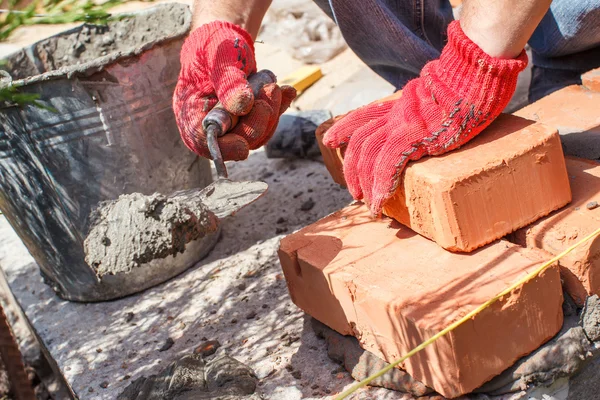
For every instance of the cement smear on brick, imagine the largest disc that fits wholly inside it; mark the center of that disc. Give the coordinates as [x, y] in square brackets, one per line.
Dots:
[136, 229]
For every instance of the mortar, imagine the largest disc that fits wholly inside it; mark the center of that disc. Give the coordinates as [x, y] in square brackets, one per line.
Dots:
[112, 132]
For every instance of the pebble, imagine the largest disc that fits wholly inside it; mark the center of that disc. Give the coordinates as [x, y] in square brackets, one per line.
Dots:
[281, 220]
[234, 321]
[297, 374]
[129, 316]
[251, 315]
[591, 205]
[207, 348]
[307, 205]
[167, 345]
[264, 371]
[104, 385]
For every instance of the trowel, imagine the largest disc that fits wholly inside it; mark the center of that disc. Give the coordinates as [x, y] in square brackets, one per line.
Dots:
[224, 196]
[150, 229]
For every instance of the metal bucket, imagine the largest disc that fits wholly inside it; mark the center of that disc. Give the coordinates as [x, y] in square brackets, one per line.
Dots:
[112, 131]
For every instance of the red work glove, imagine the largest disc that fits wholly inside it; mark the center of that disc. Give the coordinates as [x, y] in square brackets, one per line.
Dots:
[455, 98]
[216, 60]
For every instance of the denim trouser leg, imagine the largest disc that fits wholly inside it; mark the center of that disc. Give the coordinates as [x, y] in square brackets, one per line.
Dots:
[397, 37]
[565, 44]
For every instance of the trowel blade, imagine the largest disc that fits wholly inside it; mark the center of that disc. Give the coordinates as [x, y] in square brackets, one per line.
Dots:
[225, 197]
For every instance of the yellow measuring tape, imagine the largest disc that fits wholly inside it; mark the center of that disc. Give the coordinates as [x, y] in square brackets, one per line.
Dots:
[464, 319]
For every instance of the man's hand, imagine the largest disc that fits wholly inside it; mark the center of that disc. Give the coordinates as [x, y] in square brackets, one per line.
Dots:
[453, 100]
[216, 60]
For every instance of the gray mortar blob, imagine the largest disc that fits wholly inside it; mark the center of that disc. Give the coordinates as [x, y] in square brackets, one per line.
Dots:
[136, 229]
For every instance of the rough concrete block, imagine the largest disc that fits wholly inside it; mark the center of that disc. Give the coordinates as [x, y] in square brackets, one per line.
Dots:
[574, 112]
[392, 289]
[591, 80]
[580, 269]
[512, 174]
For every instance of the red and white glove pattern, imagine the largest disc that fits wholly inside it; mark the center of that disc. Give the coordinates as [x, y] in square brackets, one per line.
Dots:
[454, 99]
[216, 60]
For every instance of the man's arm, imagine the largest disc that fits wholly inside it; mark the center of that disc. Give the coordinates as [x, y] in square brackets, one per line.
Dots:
[501, 28]
[245, 13]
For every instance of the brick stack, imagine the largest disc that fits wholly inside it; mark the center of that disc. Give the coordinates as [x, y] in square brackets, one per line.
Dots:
[393, 287]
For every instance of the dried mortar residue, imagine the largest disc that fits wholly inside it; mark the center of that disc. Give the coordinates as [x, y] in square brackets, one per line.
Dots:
[91, 46]
[136, 229]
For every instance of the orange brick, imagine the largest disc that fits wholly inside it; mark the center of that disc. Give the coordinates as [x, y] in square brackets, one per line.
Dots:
[580, 269]
[591, 80]
[574, 112]
[393, 289]
[512, 174]
[333, 158]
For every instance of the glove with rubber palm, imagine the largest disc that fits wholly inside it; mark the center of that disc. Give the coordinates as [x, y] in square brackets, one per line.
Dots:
[216, 60]
[453, 100]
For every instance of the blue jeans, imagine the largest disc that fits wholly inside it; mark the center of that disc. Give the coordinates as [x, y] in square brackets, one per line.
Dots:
[396, 38]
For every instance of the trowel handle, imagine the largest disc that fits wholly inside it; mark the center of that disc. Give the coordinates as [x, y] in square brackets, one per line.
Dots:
[222, 118]
[219, 121]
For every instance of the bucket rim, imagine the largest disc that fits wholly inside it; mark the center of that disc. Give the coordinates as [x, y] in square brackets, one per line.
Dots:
[99, 63]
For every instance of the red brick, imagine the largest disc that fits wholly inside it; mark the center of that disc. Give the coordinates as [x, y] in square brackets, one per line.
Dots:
[580, 270]
[574, 112]
[512, 174]
[333, 158]
[393, 289]
[591, 80]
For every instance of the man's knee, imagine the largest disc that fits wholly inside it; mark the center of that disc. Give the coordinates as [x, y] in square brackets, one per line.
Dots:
[569, 27]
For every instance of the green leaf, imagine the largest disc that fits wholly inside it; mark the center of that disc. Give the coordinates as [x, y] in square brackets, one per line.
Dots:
[12, 95]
